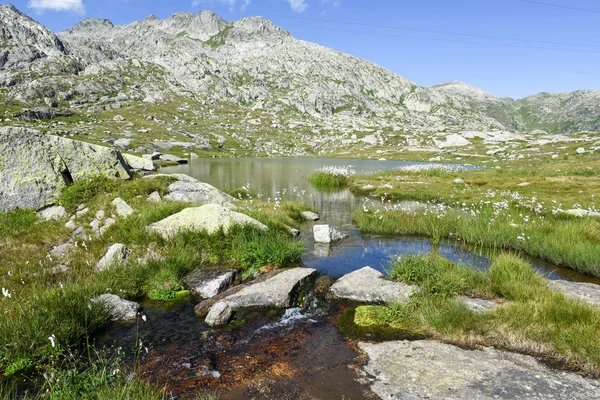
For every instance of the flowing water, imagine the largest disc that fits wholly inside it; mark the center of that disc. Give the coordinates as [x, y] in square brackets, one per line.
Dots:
[296, 354]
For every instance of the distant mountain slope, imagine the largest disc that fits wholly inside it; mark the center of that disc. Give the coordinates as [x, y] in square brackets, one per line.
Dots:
[556, 113]
[253, 64]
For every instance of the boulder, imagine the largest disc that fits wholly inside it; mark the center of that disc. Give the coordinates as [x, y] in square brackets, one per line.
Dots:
[122, 208]
[453, 141]
[219, 314]
[433, 370]
[587, 292]
[193, 191]
[52, 213]
[310, 216]
[458, 181]
[154, 197]
[277, 290]
[210, 217]
[368, 285]
[139, 163]
[172, 158]
[209, 282]
[327, 234]
[36, 166]
[115, 255]
[118, 308]
[580, 150]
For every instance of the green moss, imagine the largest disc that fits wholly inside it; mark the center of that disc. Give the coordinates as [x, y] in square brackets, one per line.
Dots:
[362, 324]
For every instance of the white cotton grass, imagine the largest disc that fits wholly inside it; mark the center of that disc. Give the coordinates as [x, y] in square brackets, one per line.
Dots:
[338, 170]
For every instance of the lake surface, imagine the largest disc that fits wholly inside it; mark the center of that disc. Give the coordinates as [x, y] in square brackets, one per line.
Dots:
[287, 178]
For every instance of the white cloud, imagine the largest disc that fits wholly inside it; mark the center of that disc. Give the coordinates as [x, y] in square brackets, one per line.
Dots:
[75, 6]
[297, 5]
[334, 3]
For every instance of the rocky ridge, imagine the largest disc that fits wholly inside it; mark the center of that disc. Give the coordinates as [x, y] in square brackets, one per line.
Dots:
[242, 86]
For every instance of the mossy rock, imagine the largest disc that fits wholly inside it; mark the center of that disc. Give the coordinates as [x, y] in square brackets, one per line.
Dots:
[362, 324]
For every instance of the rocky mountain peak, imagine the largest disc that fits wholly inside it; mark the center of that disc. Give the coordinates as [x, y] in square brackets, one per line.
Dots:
[23, 40]
[90, 24]
[252, 28]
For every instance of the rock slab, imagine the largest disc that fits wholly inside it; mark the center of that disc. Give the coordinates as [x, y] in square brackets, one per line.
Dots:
[276, 291]
[36, 166]
[587, 292]
[433, 370]
[210, 217]
[368, 285]
[209, 282]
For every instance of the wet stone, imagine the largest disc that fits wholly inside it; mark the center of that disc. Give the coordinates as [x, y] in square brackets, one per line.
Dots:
[368, 285]
[209, 282]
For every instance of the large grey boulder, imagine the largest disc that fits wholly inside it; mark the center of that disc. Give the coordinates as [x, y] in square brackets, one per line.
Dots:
[199, 193]
[210, 218]
[115, 255]
[35, 166]
[276, 291]
[433, 370]
[118, 308]
[139, 163]
[208, 282]
[368, 285]
[587, 292]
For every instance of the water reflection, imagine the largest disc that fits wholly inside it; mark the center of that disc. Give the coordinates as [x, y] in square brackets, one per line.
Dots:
[272, 177]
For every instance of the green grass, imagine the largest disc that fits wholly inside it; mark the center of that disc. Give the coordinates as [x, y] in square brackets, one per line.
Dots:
[530, 318]
[44, 305]
[328, 180]
[567, 241]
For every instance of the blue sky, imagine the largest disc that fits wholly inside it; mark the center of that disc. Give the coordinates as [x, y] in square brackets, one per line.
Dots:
[427, 41]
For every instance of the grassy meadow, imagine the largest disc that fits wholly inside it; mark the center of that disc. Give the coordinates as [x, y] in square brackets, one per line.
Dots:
[47, 318]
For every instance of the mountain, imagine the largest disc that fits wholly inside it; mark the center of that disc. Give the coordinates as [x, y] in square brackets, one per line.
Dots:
[248, 82]
[557, 113]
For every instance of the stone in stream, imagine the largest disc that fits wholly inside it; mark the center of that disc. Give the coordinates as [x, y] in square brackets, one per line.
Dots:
[118, 308]
[277, 290]
[208, 282]
[210, 217]
[429, 369]
[36, 166]
[368, 285]
[122, 208]
[219, 314]
[326, 234]
[587, 292]
[310, 216]
[115, 255]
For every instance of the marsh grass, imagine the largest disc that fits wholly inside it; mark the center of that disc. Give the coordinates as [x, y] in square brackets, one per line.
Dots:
[562, 240]
[328, 180]
[530, 318]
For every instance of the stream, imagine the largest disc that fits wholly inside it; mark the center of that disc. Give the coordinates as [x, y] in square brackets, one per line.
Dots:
[298, 354]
